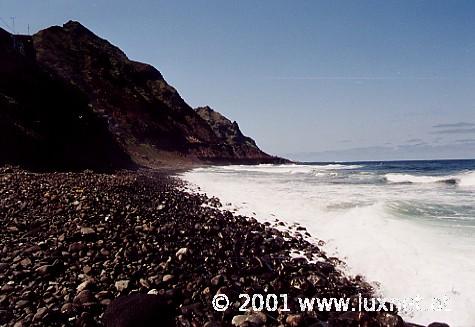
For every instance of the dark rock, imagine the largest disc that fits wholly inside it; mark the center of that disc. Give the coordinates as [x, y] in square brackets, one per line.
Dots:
[25, 262]
[5, 316]
[122, 285]
[3, 300]
[87, 231]
[87, 270]
[85, 320]
[3, 266]
[390, 320]
[67, 308]
[139, 310]
[87, 284]
[252, 319]
[7, 288]
[43, 269]
[21, 303]
[294, 320]
[239, 320]
[40, 314]
[76, 247]
[103, 295]
[105, 302]
[167, 278]
[83, 297]
[217, 280]
[19, 323]
[181, 253]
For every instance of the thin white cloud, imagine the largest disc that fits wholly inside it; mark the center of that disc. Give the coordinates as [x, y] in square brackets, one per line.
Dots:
[465, 141]
[456, 150]
[456, 131]
[416, 140]
[368, 78]
[454, 125]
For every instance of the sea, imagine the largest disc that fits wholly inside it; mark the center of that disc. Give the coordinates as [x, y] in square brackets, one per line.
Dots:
[407, 226]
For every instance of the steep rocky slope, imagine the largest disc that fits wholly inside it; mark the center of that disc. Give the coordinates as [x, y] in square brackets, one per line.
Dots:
[45, 123]
[87, 90]
[78, 74]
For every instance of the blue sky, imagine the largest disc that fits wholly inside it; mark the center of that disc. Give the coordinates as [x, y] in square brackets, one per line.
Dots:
[319, 80]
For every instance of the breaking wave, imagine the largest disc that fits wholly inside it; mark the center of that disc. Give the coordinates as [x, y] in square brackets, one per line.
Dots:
[286, 169]
[414, 239]
[463, 179]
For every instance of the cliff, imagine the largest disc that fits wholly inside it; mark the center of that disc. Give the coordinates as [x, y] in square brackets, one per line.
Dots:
[99, 108]
[45, 123]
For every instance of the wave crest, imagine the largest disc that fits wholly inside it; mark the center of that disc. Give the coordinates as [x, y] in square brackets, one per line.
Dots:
[463, 179]
[287, 169]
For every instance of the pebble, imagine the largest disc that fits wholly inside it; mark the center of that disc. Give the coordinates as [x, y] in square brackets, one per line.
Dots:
[25, 262]
[122, 285]
[43, 270]
[294, 320]
[87, 231]
[167, 278]
[181, 253]
[83, 297]
[153, 292]
[217, 280]
[40, 314]
[67, 309]
[239, 320]
[86, 284]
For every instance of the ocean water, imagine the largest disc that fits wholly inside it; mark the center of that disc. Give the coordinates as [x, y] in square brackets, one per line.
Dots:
[407, 226]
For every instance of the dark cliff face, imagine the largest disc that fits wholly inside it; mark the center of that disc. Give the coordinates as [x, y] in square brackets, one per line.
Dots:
[125, 106]
[44, 123]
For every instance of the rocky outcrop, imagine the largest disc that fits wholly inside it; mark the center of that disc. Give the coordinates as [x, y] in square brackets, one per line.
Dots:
[124, 105]
[227, 132]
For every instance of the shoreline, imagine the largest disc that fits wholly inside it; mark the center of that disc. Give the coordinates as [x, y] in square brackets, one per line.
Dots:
[392, 254]
[97, 237]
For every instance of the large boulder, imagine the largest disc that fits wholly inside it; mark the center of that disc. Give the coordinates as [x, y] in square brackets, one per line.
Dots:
[139, 310]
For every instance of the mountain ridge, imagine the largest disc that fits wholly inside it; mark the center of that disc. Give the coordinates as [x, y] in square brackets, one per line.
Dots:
[147, 120]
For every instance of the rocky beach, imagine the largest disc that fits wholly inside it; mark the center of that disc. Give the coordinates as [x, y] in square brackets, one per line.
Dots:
[73, 243]
[96, 229]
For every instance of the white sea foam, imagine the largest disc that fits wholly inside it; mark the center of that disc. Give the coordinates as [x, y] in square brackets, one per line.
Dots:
[407, 257]
[467, 179]
[285, 169]
[407, 178]
[463, 179]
